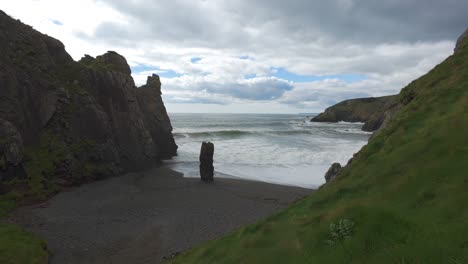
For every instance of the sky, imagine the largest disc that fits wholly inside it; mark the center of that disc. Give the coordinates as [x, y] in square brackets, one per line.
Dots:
[258, 56]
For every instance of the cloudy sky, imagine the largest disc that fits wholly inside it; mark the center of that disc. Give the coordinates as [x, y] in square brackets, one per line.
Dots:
[269, 56]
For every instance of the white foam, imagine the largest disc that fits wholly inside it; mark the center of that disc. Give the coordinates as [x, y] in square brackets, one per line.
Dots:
[299, 159]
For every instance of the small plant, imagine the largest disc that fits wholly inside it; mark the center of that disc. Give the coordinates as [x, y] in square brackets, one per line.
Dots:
[339, 232]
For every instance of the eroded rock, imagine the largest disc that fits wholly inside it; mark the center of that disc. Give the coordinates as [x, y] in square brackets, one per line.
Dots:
[79, 121]
[156, 118]
[332, 172]
[206, 161]
[11, 154]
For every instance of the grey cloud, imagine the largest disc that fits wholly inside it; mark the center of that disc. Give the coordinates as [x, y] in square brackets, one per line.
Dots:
[261, 89]
[364, 20]
[188, 23]
[230, 24]
[329, 97]
[270, 89]
[307, 37]
[192, 100]
[394, 41]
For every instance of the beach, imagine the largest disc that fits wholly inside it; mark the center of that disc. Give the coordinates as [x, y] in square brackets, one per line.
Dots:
[146, 216]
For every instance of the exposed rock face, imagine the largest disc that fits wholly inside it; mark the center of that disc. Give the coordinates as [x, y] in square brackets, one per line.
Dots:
[206, 161]
[115, 61]
[156, 118]
[333, 172]
[78, 120]
[11, 153]
[371, 111]
[462, 41]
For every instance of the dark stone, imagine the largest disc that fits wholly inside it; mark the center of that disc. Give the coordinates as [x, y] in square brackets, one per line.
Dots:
[115, 62]
[206, 161]
[156, 118]
[88, 115]
[332, 173]
[11, 154]
[11, 144]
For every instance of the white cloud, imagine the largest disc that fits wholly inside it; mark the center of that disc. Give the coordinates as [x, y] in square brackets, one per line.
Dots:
[251, 38]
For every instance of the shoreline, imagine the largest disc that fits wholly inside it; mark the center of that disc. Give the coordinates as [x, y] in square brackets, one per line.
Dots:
[264, 173]
[146, 216]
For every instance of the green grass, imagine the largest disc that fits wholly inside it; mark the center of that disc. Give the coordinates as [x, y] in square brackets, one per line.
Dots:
[18, 246]
[406, 192]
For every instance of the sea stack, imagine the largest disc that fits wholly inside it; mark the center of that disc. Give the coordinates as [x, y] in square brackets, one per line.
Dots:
[206, 161]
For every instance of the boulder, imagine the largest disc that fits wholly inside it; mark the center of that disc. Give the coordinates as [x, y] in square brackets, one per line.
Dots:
[206, 161]
[332, 172]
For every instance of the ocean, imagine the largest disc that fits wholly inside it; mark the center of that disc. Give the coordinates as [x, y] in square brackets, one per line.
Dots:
[283, 149]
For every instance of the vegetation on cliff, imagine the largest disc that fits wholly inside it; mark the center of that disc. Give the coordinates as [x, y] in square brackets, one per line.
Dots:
[371, 111]
[403, 195]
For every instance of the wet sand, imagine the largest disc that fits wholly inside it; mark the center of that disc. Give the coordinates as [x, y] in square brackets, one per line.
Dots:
[144, 217]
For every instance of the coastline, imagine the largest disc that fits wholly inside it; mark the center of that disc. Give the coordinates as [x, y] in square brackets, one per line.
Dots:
[256, 173]
[281, 149]
[144, 217]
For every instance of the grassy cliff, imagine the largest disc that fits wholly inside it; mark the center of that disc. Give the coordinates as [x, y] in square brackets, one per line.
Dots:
[371, 111]
[403, 199]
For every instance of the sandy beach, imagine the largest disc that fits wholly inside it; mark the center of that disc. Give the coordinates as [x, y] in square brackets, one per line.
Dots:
[144, 217]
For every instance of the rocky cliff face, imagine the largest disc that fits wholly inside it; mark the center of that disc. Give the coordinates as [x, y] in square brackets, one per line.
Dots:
[371, 111]
[65, 122]
[155, 116]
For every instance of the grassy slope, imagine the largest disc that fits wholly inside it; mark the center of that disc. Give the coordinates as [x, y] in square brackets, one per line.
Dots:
[406, 192]
[18, 246]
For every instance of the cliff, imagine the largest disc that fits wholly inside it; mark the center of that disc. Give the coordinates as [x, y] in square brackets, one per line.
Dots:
[64, 122]
[402, 199]
[370, 111]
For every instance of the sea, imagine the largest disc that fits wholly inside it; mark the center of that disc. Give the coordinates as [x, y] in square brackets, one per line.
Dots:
[286, 149]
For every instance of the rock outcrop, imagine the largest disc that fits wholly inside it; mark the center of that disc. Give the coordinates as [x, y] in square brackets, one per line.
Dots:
[206, 162]
[332, 172]
[461, 42]
[371, 111]
[68, 122]
[156, 118]
[11, 154]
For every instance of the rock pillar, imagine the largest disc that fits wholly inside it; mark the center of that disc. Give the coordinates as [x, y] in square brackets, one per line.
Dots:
[206, 161]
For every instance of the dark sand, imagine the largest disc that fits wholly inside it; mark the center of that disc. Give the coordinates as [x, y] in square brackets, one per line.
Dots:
[142, 217]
